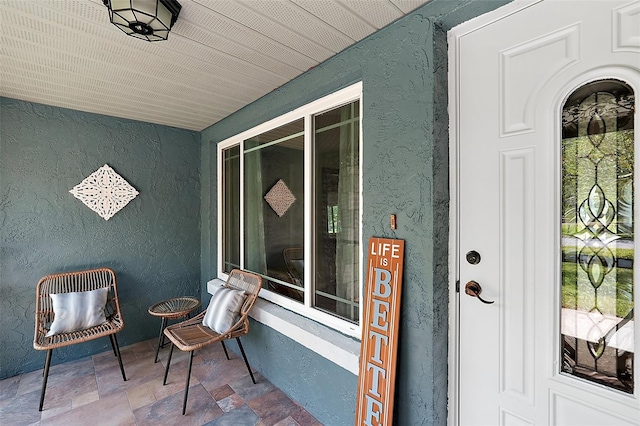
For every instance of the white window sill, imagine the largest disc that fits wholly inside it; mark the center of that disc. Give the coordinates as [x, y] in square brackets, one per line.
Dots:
[330, 344]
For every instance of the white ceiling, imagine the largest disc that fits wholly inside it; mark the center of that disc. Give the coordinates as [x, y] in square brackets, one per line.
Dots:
[220, 56]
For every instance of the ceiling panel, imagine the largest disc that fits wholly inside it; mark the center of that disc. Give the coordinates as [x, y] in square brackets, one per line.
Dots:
[220, 56]
[378, 13]
[340, 17]
[407, 6]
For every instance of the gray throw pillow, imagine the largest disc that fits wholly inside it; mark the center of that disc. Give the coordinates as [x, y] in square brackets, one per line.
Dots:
[224, 308]
[78, 310]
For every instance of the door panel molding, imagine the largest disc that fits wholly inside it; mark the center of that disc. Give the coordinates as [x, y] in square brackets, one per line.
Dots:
[517, 277]
[560, 49]
[560, 394]
[565, 410]
[626, 31]
[453, 39]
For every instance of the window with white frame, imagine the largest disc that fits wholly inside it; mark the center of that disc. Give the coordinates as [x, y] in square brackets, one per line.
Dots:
[290, 208]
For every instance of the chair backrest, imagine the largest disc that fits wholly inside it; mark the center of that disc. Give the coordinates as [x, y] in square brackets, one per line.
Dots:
[249, 283]
[294, 259]
[70, 282]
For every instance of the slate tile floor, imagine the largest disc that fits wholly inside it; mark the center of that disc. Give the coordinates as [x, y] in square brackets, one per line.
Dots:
[91, 391]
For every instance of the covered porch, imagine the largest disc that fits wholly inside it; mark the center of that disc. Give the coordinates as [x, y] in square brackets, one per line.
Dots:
[91, 390]
[165, 243]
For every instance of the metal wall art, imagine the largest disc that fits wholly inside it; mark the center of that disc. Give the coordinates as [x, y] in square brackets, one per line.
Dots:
[280, 198]
[105, 192]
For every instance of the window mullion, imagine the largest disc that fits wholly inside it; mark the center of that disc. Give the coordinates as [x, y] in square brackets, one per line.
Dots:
[360, 238]
[220, 195]
[241, 204]
[308, 211]
[325, 298]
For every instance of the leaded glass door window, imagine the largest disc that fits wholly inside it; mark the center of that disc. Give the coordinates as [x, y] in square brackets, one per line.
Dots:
[597, 314]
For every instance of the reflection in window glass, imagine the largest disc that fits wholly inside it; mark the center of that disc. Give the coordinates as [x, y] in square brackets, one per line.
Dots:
[337, 189]
[597, 321]
[274, 168]
[290, 208]
[231, 208]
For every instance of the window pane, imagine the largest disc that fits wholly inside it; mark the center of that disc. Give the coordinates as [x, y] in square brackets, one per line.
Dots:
[274, 208]
[231, 208]
[597, 234]
[337, 207]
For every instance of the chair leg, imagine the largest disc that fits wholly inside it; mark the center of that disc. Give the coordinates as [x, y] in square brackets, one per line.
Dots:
[160, 337]
[45, 376]
[113, 347]
[186, 387]
[114, 343]
[166, 369]
[245, 360]
[225, 349]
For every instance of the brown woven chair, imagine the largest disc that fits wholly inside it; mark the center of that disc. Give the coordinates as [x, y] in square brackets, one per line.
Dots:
[75, 282]
[192, 334]
[294, 259]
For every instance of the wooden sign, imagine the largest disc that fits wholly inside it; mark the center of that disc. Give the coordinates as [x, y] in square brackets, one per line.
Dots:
[377, 377]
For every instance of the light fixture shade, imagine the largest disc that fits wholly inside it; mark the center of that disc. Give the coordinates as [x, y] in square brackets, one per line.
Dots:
[149, 20]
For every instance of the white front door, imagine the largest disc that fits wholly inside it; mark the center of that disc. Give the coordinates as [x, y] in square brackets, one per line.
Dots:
[544, 123]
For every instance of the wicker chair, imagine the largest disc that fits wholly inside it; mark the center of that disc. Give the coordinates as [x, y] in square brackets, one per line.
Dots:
[294, 259]
[192, 334]
[75, 282]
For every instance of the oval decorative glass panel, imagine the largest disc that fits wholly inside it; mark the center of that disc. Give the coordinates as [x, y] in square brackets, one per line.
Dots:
[597, 320]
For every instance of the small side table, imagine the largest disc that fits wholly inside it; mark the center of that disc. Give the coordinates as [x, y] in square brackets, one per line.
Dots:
[174, 308]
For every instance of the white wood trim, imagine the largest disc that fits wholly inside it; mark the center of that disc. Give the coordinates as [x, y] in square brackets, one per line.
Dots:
[489, 18]
[454, 303]
[308, 207]
[220, 164]
[328, 102]
[299, 331]
[453, 39]
[363, 243]
[241, 144]
[328, 343]
[219, 243]
[345, 327]
[346, 95]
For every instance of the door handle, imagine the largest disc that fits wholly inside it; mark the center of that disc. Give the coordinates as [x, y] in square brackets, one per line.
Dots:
[473, 289]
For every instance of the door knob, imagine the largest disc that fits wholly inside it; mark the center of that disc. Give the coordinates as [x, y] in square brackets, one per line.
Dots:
[473, 289]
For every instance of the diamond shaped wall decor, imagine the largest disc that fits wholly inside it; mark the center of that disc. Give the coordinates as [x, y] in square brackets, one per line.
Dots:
[104, 191]
[280, 198]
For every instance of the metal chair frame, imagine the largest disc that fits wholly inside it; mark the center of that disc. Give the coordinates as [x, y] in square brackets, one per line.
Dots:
[192, 334]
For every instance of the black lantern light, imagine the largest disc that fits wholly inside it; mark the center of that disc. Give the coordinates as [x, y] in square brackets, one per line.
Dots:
[149, 20]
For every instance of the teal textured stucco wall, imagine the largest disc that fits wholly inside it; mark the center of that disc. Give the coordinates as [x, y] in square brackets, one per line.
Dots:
[159, 249]
[153, 243]
[405, 172]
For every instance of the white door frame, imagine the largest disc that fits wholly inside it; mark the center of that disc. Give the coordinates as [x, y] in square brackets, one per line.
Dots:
[453, 38]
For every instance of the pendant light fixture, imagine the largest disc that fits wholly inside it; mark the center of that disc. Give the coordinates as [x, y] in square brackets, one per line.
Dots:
[149, 20]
